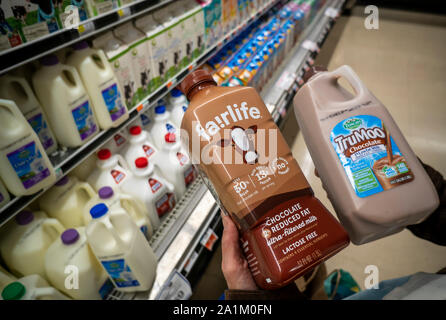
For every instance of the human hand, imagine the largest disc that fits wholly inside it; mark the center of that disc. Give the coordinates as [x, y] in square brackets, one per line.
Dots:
[234, 265]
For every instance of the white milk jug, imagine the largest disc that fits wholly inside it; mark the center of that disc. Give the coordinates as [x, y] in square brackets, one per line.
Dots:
[111, 170]
[175, 165]
[118, 141]
[18, 90]
[66, 200]
[149, 187]
[4, 195]
[65, 101]
[24, 165]
[122, 249]
[85, 168]
[26, 240]
[32, 287]
[5, 278]
[100, 83]
[71, 251]
[119, 56]
[177, 107]
[134, 207]
[141, 59]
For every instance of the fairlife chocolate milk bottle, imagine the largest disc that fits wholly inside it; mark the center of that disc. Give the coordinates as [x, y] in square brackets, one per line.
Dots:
[372, 177]
[246, 163]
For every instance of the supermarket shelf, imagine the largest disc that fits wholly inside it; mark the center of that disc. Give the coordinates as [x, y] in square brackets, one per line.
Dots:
[26, 52]
[67, 159]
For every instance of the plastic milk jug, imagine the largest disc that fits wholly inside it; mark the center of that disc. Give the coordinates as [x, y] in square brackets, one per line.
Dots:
[85, 168]
[134, 207]
[28, 237]
[371, 175]
[65, 101]
[111, 170]
[177, 107]
[66, 200]
[18, 90]
[24, 165]
[70, 251]
[121, 248]
[32, 287]
[4, 195]
[101, 84]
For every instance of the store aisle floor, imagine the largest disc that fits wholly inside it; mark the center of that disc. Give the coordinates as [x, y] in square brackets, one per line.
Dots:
[403, 64]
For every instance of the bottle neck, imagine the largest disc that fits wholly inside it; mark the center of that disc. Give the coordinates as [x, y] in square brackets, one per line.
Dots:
[198, 87]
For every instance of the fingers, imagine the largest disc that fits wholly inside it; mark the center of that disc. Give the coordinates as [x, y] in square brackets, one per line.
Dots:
[231, 253]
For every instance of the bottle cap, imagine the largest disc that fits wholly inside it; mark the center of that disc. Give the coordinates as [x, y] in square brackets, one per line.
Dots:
[135, 130]
[63, 181]
[69, 236]
[194, 79]
[24, 217]
[104, 154]
[176, 93]
[13, 291]
[81, 45]
[312, 71]
[98, 210]
[160, 109]
[141, 162]
[105, 192]
[49, 60]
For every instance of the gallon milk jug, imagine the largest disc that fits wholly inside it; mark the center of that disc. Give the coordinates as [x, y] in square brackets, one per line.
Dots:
[28, 237]
[65, 101]
[18, 90]
[249, 168]
[71, 251]
[120, 58]
[141, 59]
[134, 207]
[32, 287]
[175, 165]
[24, 165]
[122, 249]
[66, 200]
[85, 168]
[139, 146]
[118, 141]
[5, 278]
[150, 188]
[101, 85]
[111, 170]
[371, 175]
[4, 195]
[177, 107]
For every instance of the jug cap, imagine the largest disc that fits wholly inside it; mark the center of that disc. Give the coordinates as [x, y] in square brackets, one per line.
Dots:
[81, 45]
[104, 154]
[105, 192]
[141, 162]
[13, 291]
[63, 181]
[69, 236]
[176, 93]
[160, 109]
[24, 217]
[312, 71]
[98, 210]
[135, 130]
[194, 79]
[49, 60]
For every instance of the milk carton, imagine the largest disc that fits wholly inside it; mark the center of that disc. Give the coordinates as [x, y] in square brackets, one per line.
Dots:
[98, 7]
[71, 13]
[9, 31]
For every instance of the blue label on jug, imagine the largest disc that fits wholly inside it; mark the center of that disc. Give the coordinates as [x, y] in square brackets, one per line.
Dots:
[112, 99]
[371, 159]
[41, 129]
[106, 288]
[28, 164]
[120, 273]
[84, 119]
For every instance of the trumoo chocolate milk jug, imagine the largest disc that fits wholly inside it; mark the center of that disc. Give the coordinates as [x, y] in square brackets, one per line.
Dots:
[247, 165]
[372, 177]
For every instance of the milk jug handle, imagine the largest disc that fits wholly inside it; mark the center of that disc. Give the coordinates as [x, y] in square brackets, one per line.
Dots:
[53, 227]
[109, 226]
[122, 162]
[15, 111]
[356, 83]
[87, 188]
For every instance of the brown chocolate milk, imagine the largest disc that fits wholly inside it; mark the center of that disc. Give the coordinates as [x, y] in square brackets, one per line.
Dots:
[247, 165]
[372, 177]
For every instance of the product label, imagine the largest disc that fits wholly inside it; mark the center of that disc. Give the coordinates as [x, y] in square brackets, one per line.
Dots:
[182, 158]
[41, 129]
[170, 135]
[189, 175]
[370, 157]
[148, 150]
[120, 273]
[119, 140]
[29, 165]
[112, 99]
[165, 203]
[145, 120]
[155, 185]
[117, 175]
[84, 119]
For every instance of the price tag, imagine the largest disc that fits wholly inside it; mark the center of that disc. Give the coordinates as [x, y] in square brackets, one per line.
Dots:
[86, 27]
[59, 173]
[177, 287]
[190, 262]
[209, 238]
[331, 12]
[286, 80]
[124, 12]
[310, 45]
